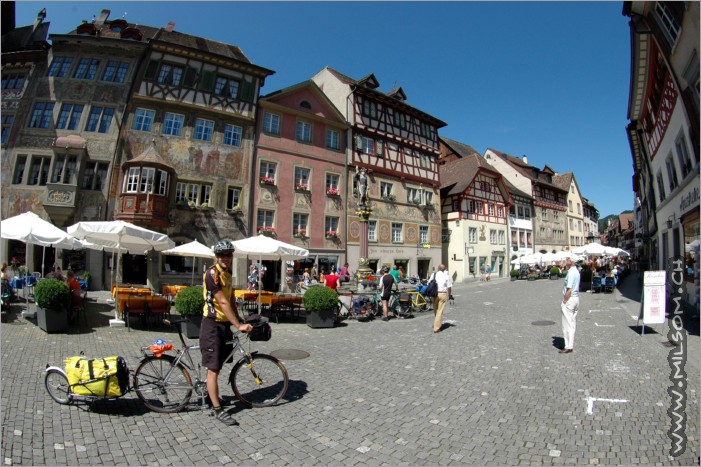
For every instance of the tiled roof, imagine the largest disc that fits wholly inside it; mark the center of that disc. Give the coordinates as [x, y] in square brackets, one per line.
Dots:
[463, 150]
[150, 155]
[563, 181]
[626, 220]
[200, 43]
[457, 175]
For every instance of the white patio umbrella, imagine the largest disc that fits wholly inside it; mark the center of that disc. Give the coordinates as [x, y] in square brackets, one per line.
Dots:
[590, 249]
[263, 247]
[33, 230]
[194, 249]
[613, 251]
[121, 237]
[560, 255]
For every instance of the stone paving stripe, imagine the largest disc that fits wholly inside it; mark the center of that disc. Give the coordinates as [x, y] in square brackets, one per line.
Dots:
[591, 400]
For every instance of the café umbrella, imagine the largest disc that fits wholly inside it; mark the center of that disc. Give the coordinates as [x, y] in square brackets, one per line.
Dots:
[33, 230]
[193, 249]
[263, 247]
[122, 237]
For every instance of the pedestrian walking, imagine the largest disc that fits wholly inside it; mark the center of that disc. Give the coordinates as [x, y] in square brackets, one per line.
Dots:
[445, 290]
[219, 314]
[570, 306]
[489, 272]
[386, 283]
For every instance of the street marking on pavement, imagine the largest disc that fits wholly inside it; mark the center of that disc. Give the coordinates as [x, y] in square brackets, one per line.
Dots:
[488, 303]
[591, 400]
[592, 311]
[603, 325]
[363, 449]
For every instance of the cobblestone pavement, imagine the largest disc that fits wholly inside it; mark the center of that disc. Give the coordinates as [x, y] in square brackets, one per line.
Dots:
[491, 389]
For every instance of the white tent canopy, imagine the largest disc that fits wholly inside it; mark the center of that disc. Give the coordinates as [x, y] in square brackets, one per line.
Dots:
[121, 237]
[32, 229]
[590, 249]
[193, 249]
[262, 247]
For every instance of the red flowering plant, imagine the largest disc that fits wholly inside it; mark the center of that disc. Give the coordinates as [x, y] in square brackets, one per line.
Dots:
[331, 234]
[300, 233]
[268, 180]
[302, 186]
[267, 231]
[333, 191]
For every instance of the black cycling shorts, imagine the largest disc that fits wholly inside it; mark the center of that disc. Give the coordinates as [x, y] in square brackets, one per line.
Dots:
[213, 338]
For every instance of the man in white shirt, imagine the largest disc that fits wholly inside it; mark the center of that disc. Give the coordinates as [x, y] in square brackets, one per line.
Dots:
[570, 306]
[445, 290]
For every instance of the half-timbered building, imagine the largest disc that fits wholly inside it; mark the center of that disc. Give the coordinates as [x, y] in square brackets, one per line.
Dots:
[300, 168]
[184, 161]
[398, 146]
[474, 206]
[549, 200]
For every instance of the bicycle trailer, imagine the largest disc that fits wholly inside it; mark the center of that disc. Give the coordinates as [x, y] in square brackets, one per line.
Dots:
[99, 377]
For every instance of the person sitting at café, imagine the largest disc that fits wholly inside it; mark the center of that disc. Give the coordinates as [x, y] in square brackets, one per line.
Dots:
[72, 282]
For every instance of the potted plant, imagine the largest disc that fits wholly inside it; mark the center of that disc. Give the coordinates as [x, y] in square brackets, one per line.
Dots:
[330, 191]
[331, 234]
[514, 274]
[52, 299]
[554, 272]
[320, 303]
[190, 303]
[86, 277]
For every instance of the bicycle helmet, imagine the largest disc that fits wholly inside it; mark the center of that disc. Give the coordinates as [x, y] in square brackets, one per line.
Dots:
[223, 248]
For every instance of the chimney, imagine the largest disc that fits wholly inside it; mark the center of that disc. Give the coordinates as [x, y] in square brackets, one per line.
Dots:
[170, 26]
[525, 159]
[102, 18]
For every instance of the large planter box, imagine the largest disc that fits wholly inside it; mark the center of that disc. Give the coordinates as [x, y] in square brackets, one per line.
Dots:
[321, 319]
[50, 320]
[191, 329]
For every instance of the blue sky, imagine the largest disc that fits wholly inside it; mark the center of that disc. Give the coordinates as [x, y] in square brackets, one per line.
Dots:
[546, 79]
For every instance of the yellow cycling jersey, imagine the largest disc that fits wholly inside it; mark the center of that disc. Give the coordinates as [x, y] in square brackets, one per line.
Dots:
[215, 279]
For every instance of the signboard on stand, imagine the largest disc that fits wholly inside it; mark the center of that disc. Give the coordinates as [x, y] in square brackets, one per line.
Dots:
[654, 297]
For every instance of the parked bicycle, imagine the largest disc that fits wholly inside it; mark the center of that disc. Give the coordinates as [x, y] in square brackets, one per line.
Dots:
[165, 384]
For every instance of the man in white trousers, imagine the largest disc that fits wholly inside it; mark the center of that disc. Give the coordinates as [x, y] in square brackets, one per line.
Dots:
[570, 306]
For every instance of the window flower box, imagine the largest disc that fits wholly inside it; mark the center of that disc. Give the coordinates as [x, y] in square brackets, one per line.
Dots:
[301, 187]
[333, 192]
[331, 234]
[267, 231]
[235, 211]
[267, 181]
[300, 234]
[390, 198]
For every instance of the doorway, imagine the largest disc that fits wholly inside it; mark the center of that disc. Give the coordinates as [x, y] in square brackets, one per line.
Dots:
[423, 268]
[134, 269]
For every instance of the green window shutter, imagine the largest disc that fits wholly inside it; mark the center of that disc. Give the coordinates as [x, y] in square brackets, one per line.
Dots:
[248, 91]
[190, 77]
[207, 81]
[151, 69]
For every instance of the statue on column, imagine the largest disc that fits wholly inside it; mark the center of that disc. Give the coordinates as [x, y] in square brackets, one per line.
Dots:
[361, 178]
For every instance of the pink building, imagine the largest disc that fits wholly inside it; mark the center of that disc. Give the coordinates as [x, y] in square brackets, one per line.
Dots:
[299, 182]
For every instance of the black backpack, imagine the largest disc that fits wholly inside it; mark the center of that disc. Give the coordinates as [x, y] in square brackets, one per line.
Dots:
[432, 288]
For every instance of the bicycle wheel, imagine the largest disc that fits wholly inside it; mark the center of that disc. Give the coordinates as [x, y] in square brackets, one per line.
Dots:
[57, 385]
[158, 393]
[262, 384]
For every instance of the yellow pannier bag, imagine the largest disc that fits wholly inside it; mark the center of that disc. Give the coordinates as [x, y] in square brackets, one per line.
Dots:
[101, 377]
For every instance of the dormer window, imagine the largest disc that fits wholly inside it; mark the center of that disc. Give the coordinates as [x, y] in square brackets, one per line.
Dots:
[305, 105]
[132, 34]
[86, 29]
[118, 25]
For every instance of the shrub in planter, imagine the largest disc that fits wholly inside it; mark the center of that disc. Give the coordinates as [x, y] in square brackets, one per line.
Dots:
[554, 272]
[320, 303]
[514, 274]
[190, 302]
[52, 299]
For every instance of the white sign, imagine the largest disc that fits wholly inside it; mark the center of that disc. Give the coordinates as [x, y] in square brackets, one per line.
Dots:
[654, 297]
